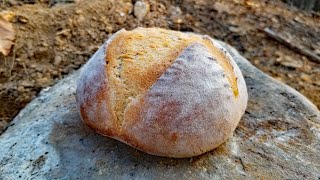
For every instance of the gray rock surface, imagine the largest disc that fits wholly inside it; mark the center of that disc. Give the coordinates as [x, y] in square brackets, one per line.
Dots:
[277, 138]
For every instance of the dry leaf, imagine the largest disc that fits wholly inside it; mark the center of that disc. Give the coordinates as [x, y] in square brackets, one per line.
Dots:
[7, 36]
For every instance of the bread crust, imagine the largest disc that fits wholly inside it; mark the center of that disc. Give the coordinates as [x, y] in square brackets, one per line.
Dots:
[92, 94]
[191, 107]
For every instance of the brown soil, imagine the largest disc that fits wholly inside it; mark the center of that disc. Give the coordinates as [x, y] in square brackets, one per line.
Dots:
[54, 38]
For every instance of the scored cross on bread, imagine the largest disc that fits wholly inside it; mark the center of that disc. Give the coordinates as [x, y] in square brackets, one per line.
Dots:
[164, 92]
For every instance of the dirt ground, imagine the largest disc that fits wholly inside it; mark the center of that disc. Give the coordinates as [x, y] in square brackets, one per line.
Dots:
[54, 38]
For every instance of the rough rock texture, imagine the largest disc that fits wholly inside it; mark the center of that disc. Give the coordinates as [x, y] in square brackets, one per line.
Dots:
[277, 138]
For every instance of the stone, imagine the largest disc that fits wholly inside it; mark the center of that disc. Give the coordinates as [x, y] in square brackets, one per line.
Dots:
[305, 77]
[22, 19]
[277, 138]
[176, 14]
[287, 61]
[43, 81]
[27, 83]
[57, 60]
[140, 9]
[292, 64]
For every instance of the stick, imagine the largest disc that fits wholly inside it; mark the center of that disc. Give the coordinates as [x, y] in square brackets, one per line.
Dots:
[291, 45]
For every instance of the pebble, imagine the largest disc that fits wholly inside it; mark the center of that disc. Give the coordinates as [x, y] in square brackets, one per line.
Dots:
[78, 11]
[175, 14]
[305, 77]
[57, 60]
[292, 64]
[59, 41]
[20, 88]
[288, 61]
[27, 83]
[22, 19]
[141, 9]
[290, 76]
[44, 82]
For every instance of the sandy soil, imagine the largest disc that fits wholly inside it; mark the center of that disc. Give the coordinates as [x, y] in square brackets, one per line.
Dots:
[54, 38]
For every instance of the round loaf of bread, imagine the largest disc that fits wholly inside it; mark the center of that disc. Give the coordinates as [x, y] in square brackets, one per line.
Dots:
[163, 92]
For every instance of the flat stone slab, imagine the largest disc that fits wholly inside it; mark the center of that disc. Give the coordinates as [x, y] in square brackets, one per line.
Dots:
[277, 138]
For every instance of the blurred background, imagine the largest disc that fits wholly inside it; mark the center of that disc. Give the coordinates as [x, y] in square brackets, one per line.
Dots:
[41, 41]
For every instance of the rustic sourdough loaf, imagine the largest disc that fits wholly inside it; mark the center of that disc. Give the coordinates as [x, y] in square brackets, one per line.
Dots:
[164, 92]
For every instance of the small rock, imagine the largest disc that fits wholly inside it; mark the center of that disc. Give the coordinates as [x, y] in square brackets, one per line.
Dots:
[57, 60]
[39, 68]
[45, 44]
[54, 73]
[287, 61]
[109, 28]
[141, 9]
[44, 82]
[178, 21]
[20, 88]
[176, 14]
[78, 11]
[33, 66]
[175, 11]
[122, 14]
[22, 19]
[292, 64]
[317, 83]
[59, 41]
[92, 34]
[305, 77]
[12, 2]
[279, 78]
[79, 19]
[27, 83]
[290, 76]
[161, 7]
[222, 7]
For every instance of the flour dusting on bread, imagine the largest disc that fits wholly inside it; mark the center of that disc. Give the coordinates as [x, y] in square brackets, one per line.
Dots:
[186, 107]
[91, 84]
[164, 92]
[137, 58]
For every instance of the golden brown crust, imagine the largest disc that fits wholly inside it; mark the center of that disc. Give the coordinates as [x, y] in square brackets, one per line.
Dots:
[166, 93]
[183, 114]
[136, 59]
[92, 95]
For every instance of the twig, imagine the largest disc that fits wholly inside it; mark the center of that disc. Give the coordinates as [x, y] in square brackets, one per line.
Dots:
[292, 45]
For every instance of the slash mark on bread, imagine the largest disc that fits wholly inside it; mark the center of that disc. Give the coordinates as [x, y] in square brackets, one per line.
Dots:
[136, 59]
